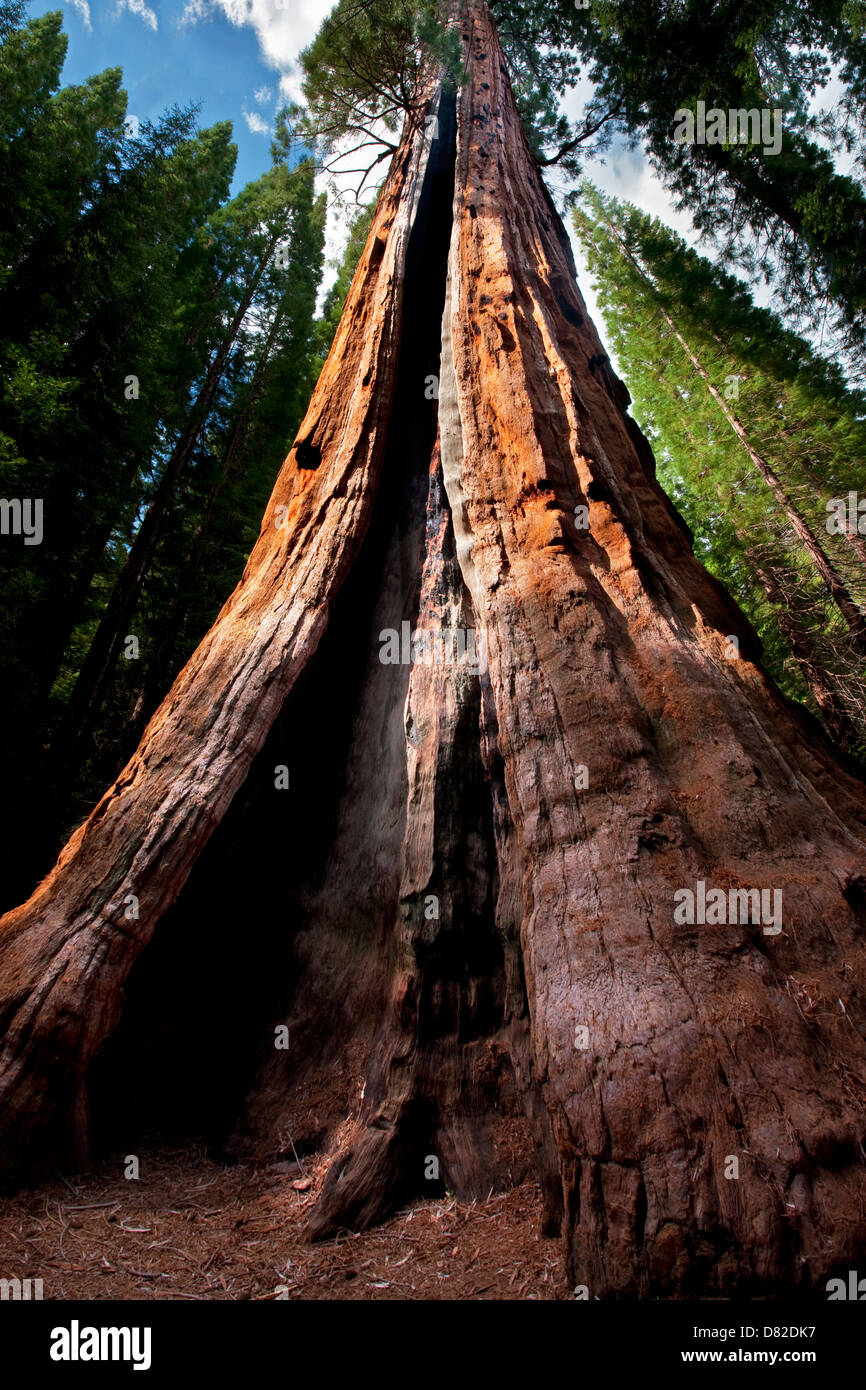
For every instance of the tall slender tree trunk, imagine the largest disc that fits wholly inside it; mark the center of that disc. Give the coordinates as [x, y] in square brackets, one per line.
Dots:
[783, 596]
[852, 536]
[853, 615]
[155, 678]
[464, 906]
[802, 648]
[857, 544]
[104, 650]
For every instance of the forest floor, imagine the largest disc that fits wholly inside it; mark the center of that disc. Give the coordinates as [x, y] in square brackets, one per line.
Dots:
[193, 1228]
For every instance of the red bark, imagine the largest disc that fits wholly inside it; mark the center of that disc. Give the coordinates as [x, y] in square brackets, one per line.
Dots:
[71, 945]
[609, 650]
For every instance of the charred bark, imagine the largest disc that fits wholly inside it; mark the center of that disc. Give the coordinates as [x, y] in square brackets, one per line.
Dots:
[467, 920]
[65, 954]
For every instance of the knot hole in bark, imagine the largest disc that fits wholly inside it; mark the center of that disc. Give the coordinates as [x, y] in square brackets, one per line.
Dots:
[308, 454]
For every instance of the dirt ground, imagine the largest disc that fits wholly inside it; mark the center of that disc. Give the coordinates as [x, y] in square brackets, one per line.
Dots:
[192, 1228]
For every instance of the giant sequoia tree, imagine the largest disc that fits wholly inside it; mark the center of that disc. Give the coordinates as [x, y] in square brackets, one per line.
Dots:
[464, 904]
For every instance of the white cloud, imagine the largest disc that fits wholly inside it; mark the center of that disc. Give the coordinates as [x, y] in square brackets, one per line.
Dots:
[256, 124]
[83, 9]
[282, 27]
[194, 11]
[143, 11]
[290, 87]
[263, 96]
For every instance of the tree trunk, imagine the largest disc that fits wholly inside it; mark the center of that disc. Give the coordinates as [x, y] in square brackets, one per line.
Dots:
[104, 650]
[462, 909]
[156, 677]
[853, 615]
[799, 639]
[857, 544]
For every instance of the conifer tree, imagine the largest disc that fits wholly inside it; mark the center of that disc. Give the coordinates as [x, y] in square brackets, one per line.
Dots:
[756, 436]
[97, 349]
[784, 213]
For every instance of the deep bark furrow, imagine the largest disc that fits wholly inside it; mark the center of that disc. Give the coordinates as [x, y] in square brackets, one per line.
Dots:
[197, 748]
[618, 750]
[661, 810]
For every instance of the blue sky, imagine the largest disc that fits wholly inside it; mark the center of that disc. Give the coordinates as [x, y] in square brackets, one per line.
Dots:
[235, 57]
[238, 59]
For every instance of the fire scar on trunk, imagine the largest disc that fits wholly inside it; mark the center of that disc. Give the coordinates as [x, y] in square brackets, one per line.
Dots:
[458, 909]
